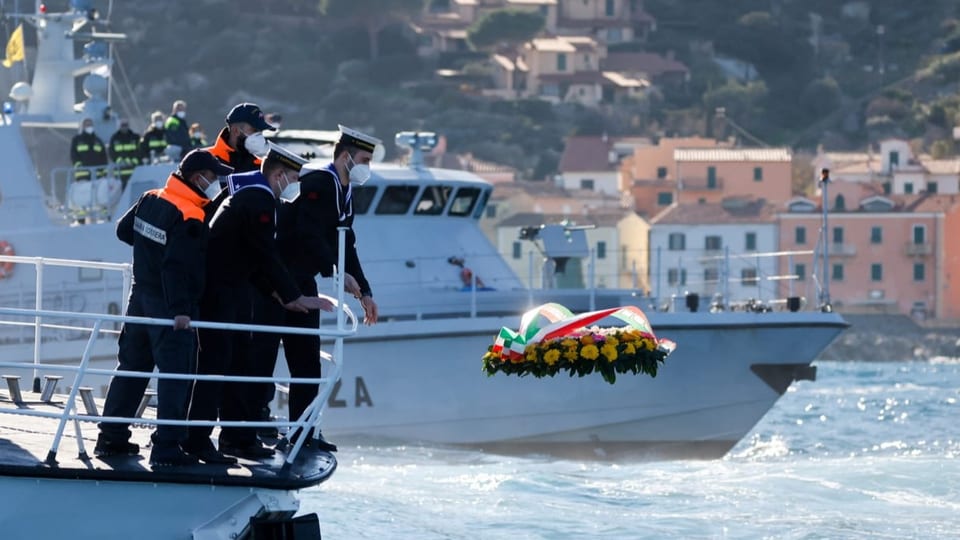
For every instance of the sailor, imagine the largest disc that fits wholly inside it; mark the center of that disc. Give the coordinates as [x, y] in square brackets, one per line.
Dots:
[86, 150]
[241, 248]
[241, 143]
[175, 128]
[154, 141]
[307, 236]
[169, 239]
[197, 138]
[124, 150]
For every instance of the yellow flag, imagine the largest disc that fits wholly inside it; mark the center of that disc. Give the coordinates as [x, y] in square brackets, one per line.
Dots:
[14, 47]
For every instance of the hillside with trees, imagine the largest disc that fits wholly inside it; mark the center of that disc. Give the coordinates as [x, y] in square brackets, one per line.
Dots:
[826, 73]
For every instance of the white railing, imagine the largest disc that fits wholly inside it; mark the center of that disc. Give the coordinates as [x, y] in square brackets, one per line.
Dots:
[310, 418]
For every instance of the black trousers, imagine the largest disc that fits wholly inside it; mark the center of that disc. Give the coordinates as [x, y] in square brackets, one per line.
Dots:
[222, 352]
[141, 347]
[301, 352]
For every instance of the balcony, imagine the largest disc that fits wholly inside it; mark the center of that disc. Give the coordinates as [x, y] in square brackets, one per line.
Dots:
[912, 249]
[693, 183]
[842, 250]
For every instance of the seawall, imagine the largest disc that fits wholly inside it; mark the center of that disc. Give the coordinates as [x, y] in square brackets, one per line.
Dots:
[892, 337]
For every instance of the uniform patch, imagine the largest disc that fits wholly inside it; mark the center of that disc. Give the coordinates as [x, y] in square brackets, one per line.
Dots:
[150, 232]
[264, 218]
[313, 195]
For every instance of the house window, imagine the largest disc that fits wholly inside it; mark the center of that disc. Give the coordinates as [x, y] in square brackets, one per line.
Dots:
[516, 250]
[751, 241]
[664, 198]
[931, 187]
[839, 203]
[609, 8]
[711, 178]
[711, 276]
[837, 274]
[838, 235]
[894, 159]
[491, 211]
[919, 272]
[800, 235]
[887, 188]
[758, 174]
[748, 277]
[908, 187]
[623, 260]
[919, 234]
[561, 61]
[614, 35]
[661, 172]
[677, 242]
[675, 277]
[712, 243]
[876, 272]
[801, 271]
[586, 183]
[550, 90]
[601, 250]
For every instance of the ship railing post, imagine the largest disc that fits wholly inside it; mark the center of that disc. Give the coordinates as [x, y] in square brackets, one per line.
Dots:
[71, 399]
[825, 296]
[659, 254]
[760, 277]
[38, 327]
[790, 273]
[592, 273]
[726, 278]
[473, 294]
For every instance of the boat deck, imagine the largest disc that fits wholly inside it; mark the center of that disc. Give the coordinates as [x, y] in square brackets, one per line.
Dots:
[26, 441]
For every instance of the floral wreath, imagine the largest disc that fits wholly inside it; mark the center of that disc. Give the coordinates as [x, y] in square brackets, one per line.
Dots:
[552, 339]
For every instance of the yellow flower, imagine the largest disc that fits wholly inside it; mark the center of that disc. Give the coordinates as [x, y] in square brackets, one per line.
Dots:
[610, 352]
[587, 339]
[649, 344]
[590, 352]
[571, 355]
[629, 349]
[569, 343]
[612, 341]
[531, 354]
[551, 357]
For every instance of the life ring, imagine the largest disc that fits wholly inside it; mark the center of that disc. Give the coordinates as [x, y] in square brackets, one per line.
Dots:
[6, 267]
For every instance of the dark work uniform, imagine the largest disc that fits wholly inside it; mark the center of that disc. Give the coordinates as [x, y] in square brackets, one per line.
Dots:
[124, 150]
[87, 150]
[178, 133]
[165, 228]
[241, 245]
[153, 144]
[307, 238]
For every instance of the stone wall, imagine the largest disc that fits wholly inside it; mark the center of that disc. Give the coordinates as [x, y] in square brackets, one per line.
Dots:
[892, 337]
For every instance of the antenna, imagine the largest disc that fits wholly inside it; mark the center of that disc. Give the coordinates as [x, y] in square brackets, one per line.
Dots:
[825, 305]
[418, 142]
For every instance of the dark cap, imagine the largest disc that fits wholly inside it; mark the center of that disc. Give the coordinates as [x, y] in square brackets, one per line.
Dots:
[285, 157]
[249, 113]
[199, 160]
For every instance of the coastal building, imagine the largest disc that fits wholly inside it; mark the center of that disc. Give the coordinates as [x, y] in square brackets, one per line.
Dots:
[895, 167]
[707, 248]
[649, 173]
[712, 174]
[593, 162]
[888, 254]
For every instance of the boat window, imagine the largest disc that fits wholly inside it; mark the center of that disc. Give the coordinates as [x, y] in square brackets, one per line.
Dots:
[396, 200]
[464, 200]
[433, 200]
[481, 204]
[362, 197]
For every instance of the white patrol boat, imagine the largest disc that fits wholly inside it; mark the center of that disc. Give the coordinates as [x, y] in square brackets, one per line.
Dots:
[416, 375]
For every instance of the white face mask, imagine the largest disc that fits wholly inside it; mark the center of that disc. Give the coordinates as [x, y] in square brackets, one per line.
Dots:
[88, 130]
[256, 144]
[359, 173]
[212, 190]
[291, 191]
[181, 114]
[158, 124]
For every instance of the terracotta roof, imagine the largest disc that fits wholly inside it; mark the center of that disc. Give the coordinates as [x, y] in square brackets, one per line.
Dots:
[587, 153]
[652, 64]
[729, 211]
[941, 166]
[732, 154]
[552, 45]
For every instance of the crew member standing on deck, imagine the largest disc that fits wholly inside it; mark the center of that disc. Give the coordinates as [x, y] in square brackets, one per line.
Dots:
[154, 140]
[124, 150]
[241, 248]
[87, 150]
[169, 239]
[308, 239]
[176, 128]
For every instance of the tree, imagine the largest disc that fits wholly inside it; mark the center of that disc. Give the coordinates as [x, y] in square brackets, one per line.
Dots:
[506, 26]
[373, 15]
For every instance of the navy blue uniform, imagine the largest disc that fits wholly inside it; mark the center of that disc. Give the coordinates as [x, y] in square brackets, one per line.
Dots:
[169, 239]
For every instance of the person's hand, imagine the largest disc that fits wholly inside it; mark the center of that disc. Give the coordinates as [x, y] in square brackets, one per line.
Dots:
[369, 310]
[304, 304]
[321, 303]
[181, 322]
[350, 285]
[296, 305]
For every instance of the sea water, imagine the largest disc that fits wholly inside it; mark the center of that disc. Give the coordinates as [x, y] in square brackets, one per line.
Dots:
[868, 450]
